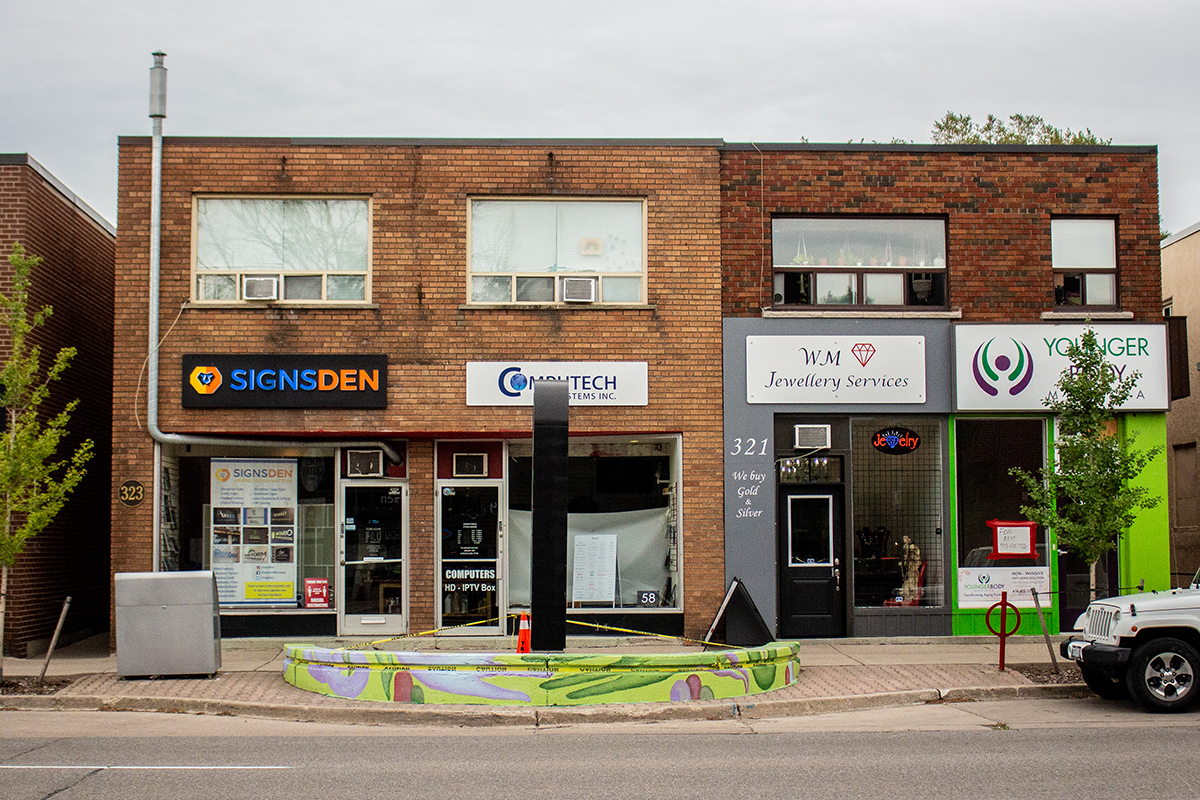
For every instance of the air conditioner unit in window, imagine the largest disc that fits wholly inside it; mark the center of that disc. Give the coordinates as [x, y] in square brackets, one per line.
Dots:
[811, 437]
[579, 290]
[470, 465]
[260, 288]
[364, 463]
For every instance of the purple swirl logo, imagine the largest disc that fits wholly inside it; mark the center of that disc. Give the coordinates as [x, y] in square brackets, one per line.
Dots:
[992, 373]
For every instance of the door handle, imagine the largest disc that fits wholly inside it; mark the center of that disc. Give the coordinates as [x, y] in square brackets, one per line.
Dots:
[837, 575]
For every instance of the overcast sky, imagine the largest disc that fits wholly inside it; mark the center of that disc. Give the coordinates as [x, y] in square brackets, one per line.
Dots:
[75, 75]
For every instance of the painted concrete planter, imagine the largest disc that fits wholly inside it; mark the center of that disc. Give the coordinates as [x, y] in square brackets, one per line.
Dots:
[539, 679]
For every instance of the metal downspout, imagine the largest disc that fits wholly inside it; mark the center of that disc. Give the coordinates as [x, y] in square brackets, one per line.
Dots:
[158, 112]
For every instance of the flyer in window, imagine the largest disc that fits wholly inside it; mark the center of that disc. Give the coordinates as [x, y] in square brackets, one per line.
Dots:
[253, 542]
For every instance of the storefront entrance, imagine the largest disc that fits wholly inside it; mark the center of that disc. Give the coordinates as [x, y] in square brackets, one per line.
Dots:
[471, 555]
[811, 574]
[373, 550]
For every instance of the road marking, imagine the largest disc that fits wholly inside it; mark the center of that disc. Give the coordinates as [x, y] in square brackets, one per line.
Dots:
[131, 766]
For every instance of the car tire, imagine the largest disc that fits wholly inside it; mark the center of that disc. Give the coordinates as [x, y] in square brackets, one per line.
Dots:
[1162, 673]
[1104, 685]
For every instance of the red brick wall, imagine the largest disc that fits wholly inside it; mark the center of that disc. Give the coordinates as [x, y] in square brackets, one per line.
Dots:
[998, 206]
[75, 278]
[419, 196]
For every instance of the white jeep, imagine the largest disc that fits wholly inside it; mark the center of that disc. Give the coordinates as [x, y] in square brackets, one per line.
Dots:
[1142, 645]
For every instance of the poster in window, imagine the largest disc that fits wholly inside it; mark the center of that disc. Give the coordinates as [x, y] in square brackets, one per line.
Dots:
[254, 560]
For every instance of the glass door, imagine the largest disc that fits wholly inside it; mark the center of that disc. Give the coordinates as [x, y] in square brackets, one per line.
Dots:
[470, 555]
[374, 545]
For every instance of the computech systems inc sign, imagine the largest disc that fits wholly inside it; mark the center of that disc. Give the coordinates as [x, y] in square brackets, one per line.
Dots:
[835, 369]
[1017, 367]
[284, 381]
[590, 383]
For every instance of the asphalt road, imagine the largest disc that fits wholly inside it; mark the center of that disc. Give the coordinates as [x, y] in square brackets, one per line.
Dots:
[1021, 748]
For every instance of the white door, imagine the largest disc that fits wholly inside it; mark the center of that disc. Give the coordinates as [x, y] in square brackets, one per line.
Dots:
[373, 552]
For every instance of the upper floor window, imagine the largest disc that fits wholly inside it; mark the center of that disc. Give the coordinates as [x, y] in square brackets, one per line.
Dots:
[307, 250]
[1084, 254]
[551, 251]
[858, 261]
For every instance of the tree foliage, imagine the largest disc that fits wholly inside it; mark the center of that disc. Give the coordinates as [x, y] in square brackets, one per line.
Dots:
[1020, 129]
[1086, 494]
[33, 485]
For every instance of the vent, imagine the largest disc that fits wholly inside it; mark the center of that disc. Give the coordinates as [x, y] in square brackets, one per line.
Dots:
[811, 437]
[260, 288]
[364, 463]
[579, 290]
[470, 465]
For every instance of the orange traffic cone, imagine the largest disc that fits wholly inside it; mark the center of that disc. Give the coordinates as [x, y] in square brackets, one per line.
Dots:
[523, 634]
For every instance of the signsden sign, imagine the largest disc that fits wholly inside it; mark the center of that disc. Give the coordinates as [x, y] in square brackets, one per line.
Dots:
[1017, 367]
[835, 369]
[284, 381]
[591, 383]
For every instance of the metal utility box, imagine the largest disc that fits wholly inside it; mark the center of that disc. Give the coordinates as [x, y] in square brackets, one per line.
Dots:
[167, 623]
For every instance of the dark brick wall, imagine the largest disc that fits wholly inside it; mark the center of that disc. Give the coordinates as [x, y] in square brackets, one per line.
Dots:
[998, 205]
[75, 278]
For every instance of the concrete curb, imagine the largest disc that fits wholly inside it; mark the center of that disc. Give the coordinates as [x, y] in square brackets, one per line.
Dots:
[501, 716]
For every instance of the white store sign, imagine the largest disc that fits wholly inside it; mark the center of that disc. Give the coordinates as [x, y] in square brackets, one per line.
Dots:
[835, 369]
[590, 383]
[1017, 367]
[982, 587]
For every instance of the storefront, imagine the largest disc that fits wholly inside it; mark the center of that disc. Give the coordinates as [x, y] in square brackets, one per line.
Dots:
[867, 472]
[837, 494]
[321, 540]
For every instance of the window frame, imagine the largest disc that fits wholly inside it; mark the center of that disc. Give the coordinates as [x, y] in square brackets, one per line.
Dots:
[938, 274]
[601, 277]
[1083, 273]
[281, 275]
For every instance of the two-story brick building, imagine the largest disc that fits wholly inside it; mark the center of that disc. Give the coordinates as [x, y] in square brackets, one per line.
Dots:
[76, 245]
[849, 345]
[894, 318]
[365, 319]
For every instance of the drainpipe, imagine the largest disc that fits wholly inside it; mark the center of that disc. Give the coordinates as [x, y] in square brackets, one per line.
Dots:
[158, 112]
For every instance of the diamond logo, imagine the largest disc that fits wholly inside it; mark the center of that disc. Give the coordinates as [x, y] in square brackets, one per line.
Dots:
[863, 352]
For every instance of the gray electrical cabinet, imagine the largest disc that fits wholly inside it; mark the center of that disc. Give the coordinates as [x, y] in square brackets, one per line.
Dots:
[168, 623]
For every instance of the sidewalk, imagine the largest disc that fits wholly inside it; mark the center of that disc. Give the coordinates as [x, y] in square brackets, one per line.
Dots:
[836, 675]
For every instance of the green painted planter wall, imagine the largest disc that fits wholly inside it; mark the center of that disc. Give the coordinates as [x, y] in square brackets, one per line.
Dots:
[539, 679]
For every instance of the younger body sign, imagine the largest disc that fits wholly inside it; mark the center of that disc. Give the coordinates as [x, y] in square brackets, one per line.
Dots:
[835, 369]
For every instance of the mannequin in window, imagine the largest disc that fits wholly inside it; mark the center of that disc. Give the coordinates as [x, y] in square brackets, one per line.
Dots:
[910, 569]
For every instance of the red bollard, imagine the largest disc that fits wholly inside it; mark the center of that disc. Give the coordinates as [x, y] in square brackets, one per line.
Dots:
[1004, 632]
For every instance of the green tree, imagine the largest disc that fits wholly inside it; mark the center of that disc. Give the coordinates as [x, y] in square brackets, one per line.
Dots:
[1086, 494]
[33, 486]
[1020, 129]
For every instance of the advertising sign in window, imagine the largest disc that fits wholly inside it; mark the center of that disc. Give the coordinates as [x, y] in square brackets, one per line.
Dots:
[254, 531]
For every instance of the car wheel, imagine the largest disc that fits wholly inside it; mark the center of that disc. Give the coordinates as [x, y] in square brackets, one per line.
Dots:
[1162, 673]
[1106, 686]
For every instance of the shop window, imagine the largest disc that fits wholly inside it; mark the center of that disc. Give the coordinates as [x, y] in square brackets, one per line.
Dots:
[628, 491]
[863, 261]
[282, 250]
[1084, 254]
[898, 543]
[544, 251]
[262, 551]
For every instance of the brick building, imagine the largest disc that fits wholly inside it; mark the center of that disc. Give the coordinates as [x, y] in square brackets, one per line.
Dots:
[364, 318]
[76, 245]
[894, 317]
[842, 342]
[1181, 301]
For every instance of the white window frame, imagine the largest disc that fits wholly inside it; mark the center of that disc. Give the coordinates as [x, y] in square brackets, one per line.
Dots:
[239, 275]
[599, 276]
[1086, 272]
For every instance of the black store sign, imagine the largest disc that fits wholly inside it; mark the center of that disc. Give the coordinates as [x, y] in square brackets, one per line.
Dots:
[284, 381]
